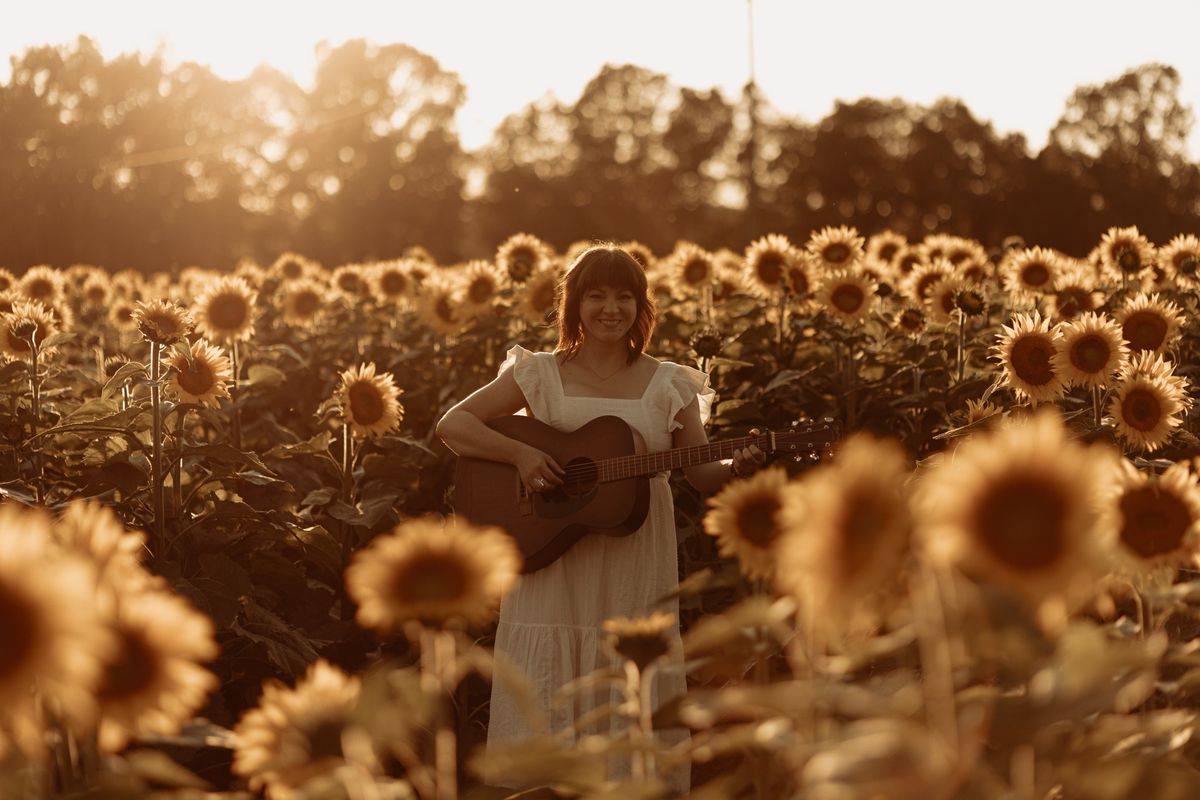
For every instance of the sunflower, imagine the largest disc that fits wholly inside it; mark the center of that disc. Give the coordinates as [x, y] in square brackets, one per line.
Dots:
[1125, 253]
[1031, 271]
[1181, 257]
[730, 276]
[50, 641]
[846, 526]
[640, 253]
[121, 314]
[523, 255]
[436, 574]
[744, 518]
[225, 311]
[154, 682]
[539, 296]
[391, 282]
[43, 284]
[1148, 402]
[28, 322]
[575, 249]
[92, 530]
[1090, 351]
[643, 640]
[7, 280]
[917, 284]
[839, 248]
[351, 282]
[482, 283]
[848, 296]
[303, 302]
[96, 291]
[295, 735]
[691, 270]
[290, 267]
[1026, 351]
[909, 258]
[979, 410]
[911, 320]
[439, 304]
[768, 260]
[1017, 506]
[202, 379]
[162, 321]
[1152, 521]
[369, 401]
[943, 299]
[1149, 323]
[885, 246]
[1074, 292]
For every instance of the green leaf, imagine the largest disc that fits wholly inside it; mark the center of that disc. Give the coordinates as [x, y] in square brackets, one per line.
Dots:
[56, 339]
[287, 648]
[227, 572]
[264, 375]
[316, 445]
[319, 497]
[221, 453]
[156, 767]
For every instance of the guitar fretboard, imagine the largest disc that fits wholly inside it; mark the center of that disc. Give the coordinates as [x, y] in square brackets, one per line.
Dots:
[615, 469]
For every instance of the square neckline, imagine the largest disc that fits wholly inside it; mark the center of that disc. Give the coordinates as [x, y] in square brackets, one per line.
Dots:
[563, 392]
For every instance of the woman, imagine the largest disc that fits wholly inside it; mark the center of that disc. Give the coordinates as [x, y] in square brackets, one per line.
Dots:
[550, 625]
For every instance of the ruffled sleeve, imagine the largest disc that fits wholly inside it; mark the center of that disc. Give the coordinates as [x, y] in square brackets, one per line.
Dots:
[529, 376]
[682, 385]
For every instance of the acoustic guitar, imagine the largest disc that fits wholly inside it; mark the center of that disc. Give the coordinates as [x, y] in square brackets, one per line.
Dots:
[606, 489]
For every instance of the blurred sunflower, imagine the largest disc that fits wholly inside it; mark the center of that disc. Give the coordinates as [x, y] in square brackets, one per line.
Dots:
[768, 260]
[744, 519]
[1125, 253]
[7, 280]
[1152, 521]
[370, 402]
[121, 314]
[96, 291]
[911, 320]
[979, 410]
[290, 267]
[91, 529]
[575, 249]
[351, 282]
[204, 378]
[730, 276]
[1181, 256]
[224, 312]
[943, 299]
[539, 296]
[523, 255]
[1030, 272]
[1090, 350]
[51, 644]
[640, 252]
[641, 640]
[436, 574]
[846, 527]
[391, 282]
[42, 283]
[848, 296]
[1148, 402]
[440, 305]
[938, 245]
[1026, 351]
[28, 322]
[691, 270]
[885, 246]
[303, 302]
[909, 258]
[295, 735]
[162, 321]
[154, 682]
[918, 282]
[482, 283]
[1149, 323]
[1017, 506]
[1074, 292]
[8, 300]
[839, 248]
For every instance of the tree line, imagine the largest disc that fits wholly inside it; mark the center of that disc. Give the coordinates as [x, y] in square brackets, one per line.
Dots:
[126, 162]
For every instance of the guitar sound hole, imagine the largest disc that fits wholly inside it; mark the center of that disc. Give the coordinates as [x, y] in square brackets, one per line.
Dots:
[582, 477]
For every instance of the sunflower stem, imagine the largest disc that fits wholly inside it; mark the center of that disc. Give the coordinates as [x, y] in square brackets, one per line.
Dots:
[236, 416]
[35, 394]
[638, 734]
[851, 387]
[437, 665]
[933, 645]
[156, 435]
[1096, 405]
[782, 322]
[962, 324]
[177, 465]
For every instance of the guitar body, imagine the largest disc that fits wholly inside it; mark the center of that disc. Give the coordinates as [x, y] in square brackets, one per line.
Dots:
[547, 524]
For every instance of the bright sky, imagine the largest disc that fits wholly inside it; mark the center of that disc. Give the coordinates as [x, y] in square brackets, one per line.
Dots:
[1013, 63]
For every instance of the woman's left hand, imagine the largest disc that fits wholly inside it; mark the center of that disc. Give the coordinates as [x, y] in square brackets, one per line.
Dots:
[747, 460]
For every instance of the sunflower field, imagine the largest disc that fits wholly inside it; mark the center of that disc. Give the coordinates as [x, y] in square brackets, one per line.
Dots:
[229, 565]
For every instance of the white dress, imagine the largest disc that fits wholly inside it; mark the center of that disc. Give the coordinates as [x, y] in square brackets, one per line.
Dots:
[550, 624]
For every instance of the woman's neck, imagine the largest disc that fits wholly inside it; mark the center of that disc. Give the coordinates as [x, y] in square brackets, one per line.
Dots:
[603, 354]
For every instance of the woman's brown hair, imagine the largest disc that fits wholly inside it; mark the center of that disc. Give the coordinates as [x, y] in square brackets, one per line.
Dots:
[600, 266]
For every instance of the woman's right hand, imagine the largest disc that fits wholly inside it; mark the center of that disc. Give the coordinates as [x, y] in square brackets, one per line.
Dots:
[539, 472]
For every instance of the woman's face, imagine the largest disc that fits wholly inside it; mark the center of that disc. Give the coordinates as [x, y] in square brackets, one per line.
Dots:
[607, 313]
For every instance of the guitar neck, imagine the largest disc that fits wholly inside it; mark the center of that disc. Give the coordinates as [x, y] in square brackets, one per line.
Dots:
[615, 469]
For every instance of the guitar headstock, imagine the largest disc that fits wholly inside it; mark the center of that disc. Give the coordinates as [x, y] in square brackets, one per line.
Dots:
[807, 441]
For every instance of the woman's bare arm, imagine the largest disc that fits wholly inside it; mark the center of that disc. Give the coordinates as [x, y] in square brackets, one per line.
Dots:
[708, 478]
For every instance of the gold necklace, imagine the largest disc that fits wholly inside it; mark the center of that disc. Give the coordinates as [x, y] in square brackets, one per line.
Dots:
[597, 374]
